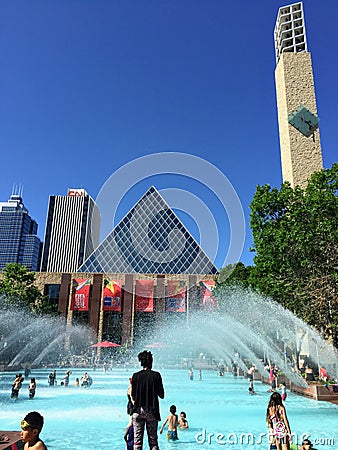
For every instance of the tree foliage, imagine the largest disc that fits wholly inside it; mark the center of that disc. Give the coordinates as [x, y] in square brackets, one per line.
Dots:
[234, 275]
[295, 234]
[18, 289]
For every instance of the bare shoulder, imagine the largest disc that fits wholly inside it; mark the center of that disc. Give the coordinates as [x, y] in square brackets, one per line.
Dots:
[40, 445]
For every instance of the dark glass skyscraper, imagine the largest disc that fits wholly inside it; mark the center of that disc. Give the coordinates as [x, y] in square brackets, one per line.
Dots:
[18, 240]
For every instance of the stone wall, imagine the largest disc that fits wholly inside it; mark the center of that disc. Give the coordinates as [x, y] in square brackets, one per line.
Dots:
[314, 390]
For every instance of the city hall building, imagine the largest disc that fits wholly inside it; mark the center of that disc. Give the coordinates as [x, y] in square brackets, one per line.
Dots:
[147, 269]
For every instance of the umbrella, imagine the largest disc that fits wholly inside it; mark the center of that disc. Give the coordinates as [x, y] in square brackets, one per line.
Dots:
[157, 345]
[106, 344]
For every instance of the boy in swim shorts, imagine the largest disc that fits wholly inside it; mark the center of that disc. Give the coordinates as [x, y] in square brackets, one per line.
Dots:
[172, 421]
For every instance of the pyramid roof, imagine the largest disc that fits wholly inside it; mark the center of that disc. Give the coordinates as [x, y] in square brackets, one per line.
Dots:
[149, 239]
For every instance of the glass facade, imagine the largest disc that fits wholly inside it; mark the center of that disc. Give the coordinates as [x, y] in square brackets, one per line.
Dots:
[149, 239]
[52, 294]
[18, 240]
[72, 231]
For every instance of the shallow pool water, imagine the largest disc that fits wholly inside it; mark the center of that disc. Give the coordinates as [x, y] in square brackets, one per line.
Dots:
[220, 411]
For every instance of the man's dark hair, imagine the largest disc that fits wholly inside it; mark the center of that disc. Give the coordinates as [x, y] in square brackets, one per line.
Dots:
[146, 359]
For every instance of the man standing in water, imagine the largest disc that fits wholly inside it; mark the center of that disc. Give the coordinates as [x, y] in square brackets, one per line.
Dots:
[146, 388]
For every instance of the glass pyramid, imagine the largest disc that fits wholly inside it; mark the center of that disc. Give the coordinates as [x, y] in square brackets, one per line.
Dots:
[149, 239]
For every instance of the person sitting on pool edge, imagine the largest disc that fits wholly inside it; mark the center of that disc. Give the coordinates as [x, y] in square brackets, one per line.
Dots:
[31, 427]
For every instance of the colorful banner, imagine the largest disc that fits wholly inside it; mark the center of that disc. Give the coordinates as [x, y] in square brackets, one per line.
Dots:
[112, 294]
[145, 295]
[80, 294]
[207, 300]
[175, 302]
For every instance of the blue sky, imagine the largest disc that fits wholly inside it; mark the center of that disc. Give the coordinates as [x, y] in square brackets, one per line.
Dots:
[89, 86]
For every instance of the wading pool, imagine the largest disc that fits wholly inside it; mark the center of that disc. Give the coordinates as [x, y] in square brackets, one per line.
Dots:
[220, 411]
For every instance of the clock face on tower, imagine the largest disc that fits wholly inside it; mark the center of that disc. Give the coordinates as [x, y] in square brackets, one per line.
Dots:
[303, 120]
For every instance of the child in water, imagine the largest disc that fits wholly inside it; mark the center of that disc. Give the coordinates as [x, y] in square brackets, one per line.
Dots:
[306, 445]
[31, 388]
[17, 385]
[282, 387]
[31, 427]
[172, 420]
[182, 421]
[129, 435]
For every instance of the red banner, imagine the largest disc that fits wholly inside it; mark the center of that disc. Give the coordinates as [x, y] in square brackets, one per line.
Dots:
[80, 294]
[112, 295]
[175, 302]
[207, 300]
[145, 295]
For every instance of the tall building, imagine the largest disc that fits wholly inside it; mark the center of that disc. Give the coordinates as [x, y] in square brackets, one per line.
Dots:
[72, 231]
[19, 242]
[301, 153]
[150, 239]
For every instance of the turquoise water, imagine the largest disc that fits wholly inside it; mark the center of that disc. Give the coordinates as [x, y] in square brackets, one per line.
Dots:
[220, 411]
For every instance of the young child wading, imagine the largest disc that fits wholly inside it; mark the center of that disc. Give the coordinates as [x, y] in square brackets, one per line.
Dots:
[172, 420]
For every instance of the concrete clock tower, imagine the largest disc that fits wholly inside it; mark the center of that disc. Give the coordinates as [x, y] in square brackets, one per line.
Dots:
[301, 153]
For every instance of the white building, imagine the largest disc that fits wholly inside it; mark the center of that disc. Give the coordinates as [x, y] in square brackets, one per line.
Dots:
[72, 231]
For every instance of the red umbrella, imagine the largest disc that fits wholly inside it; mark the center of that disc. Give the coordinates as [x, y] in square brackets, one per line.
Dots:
[157, 345]
[106, 344]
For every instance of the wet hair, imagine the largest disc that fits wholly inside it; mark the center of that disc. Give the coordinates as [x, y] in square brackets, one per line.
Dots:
[183, 413]
[35, 420]
[274, 402]
[146, 359]
[172, 409]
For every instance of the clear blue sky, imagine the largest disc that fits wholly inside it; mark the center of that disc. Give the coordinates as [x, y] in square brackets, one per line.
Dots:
[88, 86]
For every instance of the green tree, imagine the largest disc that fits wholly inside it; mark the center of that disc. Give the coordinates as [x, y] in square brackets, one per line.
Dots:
[234, 274]
[18, 289]
[295, 233]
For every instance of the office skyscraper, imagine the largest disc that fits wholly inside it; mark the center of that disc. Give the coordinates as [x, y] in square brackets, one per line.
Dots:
[18, 240]
[72, 231]
[296, 101]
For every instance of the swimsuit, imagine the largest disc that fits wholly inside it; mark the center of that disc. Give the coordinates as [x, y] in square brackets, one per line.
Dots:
[172, 435]
[279, 429]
